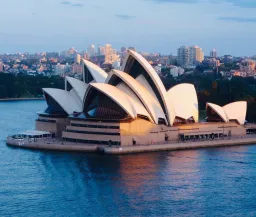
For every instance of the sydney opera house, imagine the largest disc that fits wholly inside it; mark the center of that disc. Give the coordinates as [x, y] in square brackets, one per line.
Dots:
[132, 107]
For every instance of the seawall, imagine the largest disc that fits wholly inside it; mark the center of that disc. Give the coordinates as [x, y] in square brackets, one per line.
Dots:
[74, 147]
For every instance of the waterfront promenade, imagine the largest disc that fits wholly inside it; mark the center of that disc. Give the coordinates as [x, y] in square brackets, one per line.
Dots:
[19, 99]
[59, 145]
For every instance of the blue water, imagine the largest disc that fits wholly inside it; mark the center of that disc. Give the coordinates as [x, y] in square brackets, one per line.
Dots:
[206, 182]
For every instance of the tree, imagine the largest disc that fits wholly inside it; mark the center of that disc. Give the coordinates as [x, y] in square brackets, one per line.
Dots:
[3, 92]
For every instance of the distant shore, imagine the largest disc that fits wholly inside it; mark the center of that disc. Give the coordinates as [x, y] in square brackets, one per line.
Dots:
[19, 99]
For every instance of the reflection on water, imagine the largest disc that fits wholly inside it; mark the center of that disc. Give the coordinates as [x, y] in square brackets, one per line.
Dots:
[204, 182]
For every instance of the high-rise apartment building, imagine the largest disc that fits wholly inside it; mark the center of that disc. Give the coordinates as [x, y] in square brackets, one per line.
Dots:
[183, 56]
[61, 69]
[196, 55]
[190, 56]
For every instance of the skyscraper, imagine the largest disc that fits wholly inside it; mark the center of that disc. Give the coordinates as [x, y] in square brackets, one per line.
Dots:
[78, 58]
[91, 51]
[123, 49]
[132, 48]
[101, 51]
[110, 54]
[71, 51]
[213, 53]
[1, 67]
[123, 52]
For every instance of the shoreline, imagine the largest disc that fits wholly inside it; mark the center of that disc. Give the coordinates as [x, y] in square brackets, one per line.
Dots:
[119, 150]
[20, 99]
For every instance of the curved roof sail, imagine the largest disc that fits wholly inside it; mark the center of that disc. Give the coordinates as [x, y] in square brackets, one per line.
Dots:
[114, 94]
[137, 65]
[98, 74]
[64, 99]
[138, 106]
[150, 103]
[79, 86]
[218, 110]
[185, 102]
[236, 111]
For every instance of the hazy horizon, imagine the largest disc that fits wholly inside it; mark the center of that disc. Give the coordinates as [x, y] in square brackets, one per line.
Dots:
[149, 25]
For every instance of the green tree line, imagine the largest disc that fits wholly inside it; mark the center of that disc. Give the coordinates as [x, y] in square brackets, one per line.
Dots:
[16, 86]
[209, 88]
[220, 91]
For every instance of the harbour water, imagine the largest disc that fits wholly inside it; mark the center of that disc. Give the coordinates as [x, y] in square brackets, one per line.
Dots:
[203, 182]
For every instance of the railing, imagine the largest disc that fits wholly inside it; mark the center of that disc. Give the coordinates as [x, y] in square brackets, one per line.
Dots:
[60, 141]
[175, 141]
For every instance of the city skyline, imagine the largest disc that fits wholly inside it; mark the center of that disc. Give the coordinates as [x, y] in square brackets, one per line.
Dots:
[99, 50]
[77, 23]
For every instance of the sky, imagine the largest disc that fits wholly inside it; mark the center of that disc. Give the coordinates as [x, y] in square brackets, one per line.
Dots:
[162, 26]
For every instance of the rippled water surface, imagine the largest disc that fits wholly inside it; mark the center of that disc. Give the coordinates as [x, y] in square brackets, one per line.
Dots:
[208, 182]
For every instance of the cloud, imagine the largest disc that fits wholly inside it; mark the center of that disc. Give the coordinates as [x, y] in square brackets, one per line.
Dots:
[238, 3]
[77, 5]
[241, 3]
[72, 4]
[66, 3]
[238, 19]
[125, 16]
[176, 1]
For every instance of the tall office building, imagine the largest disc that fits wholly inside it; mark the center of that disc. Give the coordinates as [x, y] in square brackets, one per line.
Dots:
[123, 52]
[213, 54]
[71, 52]
[1, 67]
[91, 51]
[101, 51]
[78, 58]
[132, 48]
[110, 54]
[123, 49]
[227, 59]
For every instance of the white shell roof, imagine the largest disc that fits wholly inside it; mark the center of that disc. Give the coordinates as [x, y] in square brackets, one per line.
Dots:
[138, 106]
[144, 83]
[64, 99]
[157, 81]
[76, 98]
[236, 111]
[219, 110]
[97, 73]
[79, 86]
[184, 99]
[150, 103]
[116, 95]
